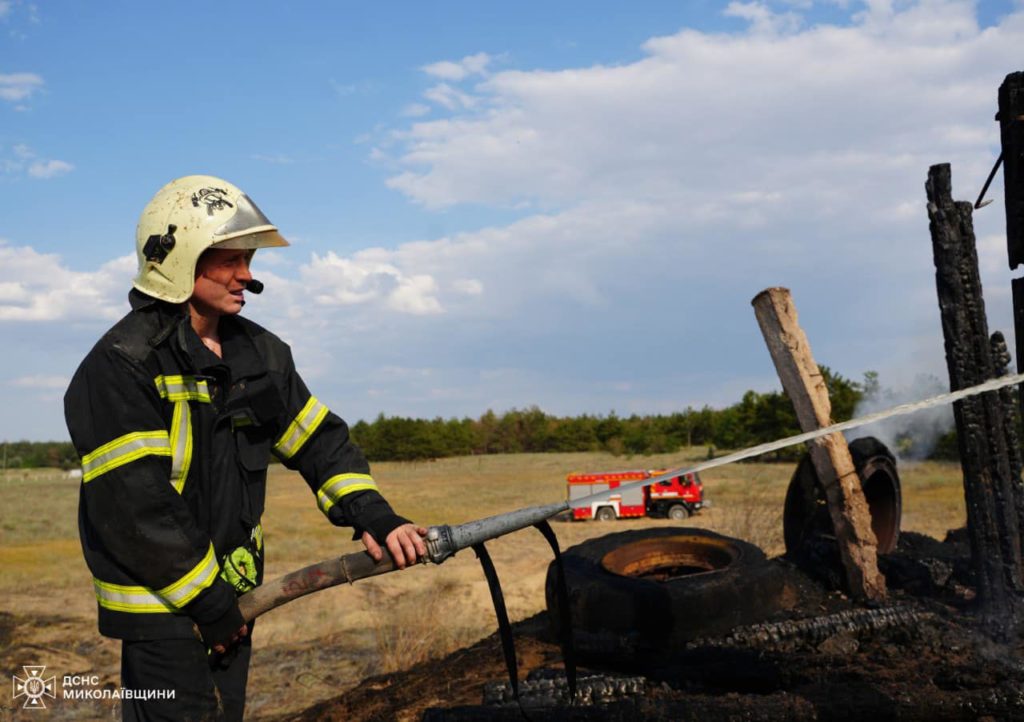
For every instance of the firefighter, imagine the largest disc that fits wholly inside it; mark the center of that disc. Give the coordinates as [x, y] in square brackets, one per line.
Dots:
[175, 413]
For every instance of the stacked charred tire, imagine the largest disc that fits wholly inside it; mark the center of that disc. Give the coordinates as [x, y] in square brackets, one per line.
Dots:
[807, 525]
[644, 593]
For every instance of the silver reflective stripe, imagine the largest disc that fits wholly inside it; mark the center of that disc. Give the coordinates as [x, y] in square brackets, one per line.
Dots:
[182, 388]
[301, 428]
[123, 450]
[181, 444]
[338, 486]
[143, 600]
[121, 598]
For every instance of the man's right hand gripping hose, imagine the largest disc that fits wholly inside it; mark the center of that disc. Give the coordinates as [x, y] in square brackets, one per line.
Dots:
[218, 620]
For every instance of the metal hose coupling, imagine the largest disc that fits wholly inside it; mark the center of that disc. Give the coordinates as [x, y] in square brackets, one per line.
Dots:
[444, 540]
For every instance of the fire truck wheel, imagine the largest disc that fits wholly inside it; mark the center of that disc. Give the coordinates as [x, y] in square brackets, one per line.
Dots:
[635, 595]
[678, 512]
[605, 513]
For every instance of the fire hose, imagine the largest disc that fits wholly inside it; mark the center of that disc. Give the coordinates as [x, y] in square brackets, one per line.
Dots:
[444, 541]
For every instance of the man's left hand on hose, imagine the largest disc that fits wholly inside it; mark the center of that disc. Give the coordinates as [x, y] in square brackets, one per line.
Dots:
[405, 543]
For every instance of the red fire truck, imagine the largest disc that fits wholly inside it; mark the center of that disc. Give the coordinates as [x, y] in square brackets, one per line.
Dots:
[675, 498]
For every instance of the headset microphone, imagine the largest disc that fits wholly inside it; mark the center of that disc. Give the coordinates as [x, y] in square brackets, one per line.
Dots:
[254, 286]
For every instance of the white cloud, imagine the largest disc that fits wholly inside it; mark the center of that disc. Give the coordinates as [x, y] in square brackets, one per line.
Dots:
[763, 21]
[721, 112]
[368, 278]
[415, 110]
[41, 382]
[449, 97]
[49, 168]
[468, 286]
[12, 292]
[5, 8]
[276, 258]
[15, 87]
[23, 159]
[416, 295]
[460, 69]
[39, 287]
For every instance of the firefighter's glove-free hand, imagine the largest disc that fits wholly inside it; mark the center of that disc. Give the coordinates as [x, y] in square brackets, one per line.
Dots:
[222, 634]
[405, 544]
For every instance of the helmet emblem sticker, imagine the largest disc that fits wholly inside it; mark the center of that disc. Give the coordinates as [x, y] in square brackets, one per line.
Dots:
[212, 198]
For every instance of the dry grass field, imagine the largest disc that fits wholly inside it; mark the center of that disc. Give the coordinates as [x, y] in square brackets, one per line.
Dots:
[319, 646]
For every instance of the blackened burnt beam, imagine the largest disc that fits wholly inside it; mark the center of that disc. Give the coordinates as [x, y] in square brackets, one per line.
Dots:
[992, 521]
[1011, 133]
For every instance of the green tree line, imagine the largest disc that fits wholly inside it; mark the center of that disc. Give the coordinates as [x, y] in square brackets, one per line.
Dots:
[755, 419]
[34, 454]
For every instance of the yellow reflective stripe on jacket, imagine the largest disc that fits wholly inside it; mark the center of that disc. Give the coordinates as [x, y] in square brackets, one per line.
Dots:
[338, 486]
[143, 600]
[182, 388]
[301, 428]
[185, 589]
[124, 449]
[181, 444]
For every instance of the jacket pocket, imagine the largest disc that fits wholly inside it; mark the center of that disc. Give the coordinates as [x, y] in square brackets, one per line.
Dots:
[253, 449]
[254, 457]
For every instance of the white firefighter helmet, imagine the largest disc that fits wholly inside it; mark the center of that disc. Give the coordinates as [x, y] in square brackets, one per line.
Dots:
[186, 217]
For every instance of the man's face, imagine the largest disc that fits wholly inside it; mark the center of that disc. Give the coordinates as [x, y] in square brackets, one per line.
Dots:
[221, 275]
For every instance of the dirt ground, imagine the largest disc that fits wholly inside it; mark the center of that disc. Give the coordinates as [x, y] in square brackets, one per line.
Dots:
[922, 656]
[341, 653]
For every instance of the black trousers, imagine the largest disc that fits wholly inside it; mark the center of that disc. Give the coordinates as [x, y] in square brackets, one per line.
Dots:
[182, 665]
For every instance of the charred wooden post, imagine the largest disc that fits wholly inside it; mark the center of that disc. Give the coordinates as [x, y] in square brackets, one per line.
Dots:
[802, 380]
[1011, 131]
[991, 514]
[1008, 395]
[1011, 423]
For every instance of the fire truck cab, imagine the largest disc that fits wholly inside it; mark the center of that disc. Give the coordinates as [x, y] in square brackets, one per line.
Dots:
[675, 498]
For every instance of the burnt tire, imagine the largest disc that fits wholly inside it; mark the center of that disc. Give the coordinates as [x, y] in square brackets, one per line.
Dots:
[806, 520]
[640, 594]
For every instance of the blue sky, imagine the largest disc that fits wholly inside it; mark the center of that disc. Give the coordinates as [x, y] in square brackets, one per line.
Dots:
[498, 205]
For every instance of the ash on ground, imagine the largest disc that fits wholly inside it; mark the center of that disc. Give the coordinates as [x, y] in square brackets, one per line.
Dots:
[920, 656]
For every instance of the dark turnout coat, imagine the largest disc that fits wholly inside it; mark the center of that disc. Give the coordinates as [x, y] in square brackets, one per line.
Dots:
[175, 444]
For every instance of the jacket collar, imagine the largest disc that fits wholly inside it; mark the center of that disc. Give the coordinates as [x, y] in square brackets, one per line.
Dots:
[239, 350]
[168, 315]
[240, 353]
